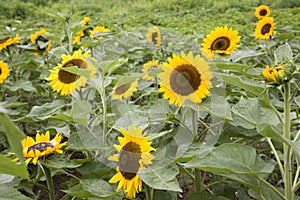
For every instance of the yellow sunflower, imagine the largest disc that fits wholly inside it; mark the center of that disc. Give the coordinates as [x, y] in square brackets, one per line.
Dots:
[4, 71]
[262, 11]
[265, 28]
[154, 36]
[38, 37]
[41, 146]
[273, 74]
[133, 155]
[5, 42]
[66, 82]
[221, 41]
[147, 67]
[185, 77]
[98, 29]
[85, 21]
[78, 37]
[124, 91]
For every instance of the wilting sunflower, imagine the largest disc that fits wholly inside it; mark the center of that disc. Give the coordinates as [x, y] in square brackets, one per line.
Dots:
[265, 28]
[41, 146]
[5, 42]
[147, 67]
[66, 82]
[185, 77]
[262, 11]
[4, 71]
[221, 41]
[124, 91]
[37, 37]
[154, 36]
[133, 154]
[273, 74]
[98, 29]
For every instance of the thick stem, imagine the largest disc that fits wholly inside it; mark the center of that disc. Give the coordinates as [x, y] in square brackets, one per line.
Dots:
[49, 180]
[286, 148]
[149, 192]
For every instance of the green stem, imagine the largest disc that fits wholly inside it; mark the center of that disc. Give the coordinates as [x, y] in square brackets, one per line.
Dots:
[198, 185]
[276, 156]
[149, 192]
[272, 188]
[49, 180]
[286, 148]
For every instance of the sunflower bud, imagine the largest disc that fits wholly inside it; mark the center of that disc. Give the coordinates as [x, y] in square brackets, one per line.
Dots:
[274, 74]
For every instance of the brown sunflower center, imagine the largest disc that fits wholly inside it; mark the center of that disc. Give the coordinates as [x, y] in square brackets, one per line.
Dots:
[0, 70]
[129, 158]
[221, 43]
[122, 89]
[185, 79]
[67, 77]
[263, 12]
[42, 146]
[266, 29]
[2, 41]
[154, 37]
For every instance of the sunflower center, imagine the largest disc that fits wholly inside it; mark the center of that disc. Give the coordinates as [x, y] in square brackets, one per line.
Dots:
[2, 41]
[67, 77]
[0, 71]
[154, 37]
[266, 29]
[263, 12]
[129, 158]
[185, 79]
[122, 89]
[42, 146]
[221, 43]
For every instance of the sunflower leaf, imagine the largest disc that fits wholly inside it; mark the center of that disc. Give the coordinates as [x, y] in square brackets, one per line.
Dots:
[75, 70]
[59, 161]
[10, 193]
[128, 79]
[7, 166]
[283, 52]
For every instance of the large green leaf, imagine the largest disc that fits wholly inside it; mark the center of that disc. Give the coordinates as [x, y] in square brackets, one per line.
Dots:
[9, 167]
[78, 71]
[22, 85]
[283, 53]
[59, 161]
[11, 193]
[81, 111]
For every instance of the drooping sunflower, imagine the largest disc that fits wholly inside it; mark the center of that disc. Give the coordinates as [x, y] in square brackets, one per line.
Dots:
[4, 71]
[221, 41]
[124, 91]
[5, 42]
[154, 36]
[262, 11]
[133, 155]
[98, 29]
[273, 74]
[41, 146]
[38, 38]
[147, 67]
[185, 78]
[265, 28]
[66, 82]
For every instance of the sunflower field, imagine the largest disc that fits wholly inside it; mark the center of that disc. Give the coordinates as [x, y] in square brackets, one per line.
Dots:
[150, 100]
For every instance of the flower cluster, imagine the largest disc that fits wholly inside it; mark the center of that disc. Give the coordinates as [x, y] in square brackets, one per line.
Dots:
[265, 27]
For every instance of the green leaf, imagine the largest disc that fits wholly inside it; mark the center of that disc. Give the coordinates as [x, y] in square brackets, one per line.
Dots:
[128, 79]
[283, 53]
[297, 100]
[79, 71]
[22, 85]
[59, 161]
[161, 177]
[9, 167]
[241, 54]
[81, 111]
[13, 134]
[229, 65]
[11, 193]
[268, 130]
[206, 196]
[93, 185]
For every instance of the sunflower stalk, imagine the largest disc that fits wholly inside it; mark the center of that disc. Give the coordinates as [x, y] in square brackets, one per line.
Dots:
[47, 173]
[149, 192]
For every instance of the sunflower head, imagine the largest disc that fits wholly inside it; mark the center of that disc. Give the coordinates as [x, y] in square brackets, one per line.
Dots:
[5, 42]
[133, 155]
[154, 36]
[78, 37]
[147, 67]
[41, 146]
[184, 78]
[4, 71]
[222, 41]
[98, 29]
[66, 82]
[43, 44]
[124, 91]
[274, 74]
[265, 28]
[85, 21]
[262, 11]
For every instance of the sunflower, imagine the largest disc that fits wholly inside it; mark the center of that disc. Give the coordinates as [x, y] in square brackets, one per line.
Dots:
[98, 29]
[262, 11]
[154, 36]
[133, 155]
[4, 71]
[265, 28]
[66, 82]
[147, 67]
[85, 21]
[37, 37]
[41, 146]
[185, 77]
[5, 42]
[221, 41]
[124, 91]
[78, 37]
[273, 74]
